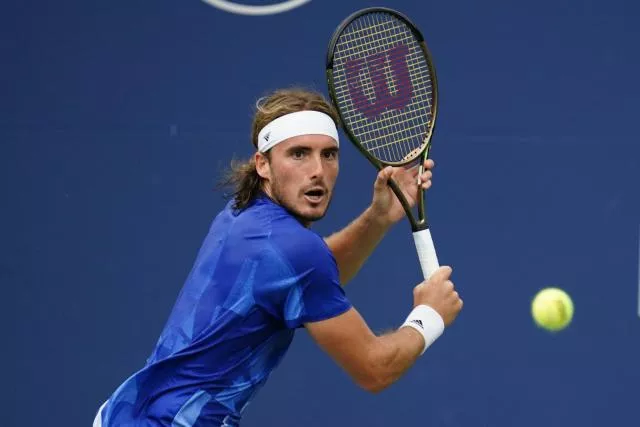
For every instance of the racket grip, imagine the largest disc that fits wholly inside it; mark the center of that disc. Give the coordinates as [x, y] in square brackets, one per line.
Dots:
[426, 252]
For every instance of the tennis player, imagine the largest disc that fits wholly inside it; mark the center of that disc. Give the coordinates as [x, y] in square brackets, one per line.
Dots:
[262, 273]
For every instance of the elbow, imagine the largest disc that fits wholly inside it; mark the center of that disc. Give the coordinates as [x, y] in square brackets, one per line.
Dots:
[380, 368]
[375, 380]
[373, 386]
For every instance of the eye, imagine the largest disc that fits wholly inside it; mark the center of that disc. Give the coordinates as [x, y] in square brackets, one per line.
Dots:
[297, 154]
[331, 155]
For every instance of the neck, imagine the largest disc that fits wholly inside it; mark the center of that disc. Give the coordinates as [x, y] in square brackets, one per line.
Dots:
[266, 190]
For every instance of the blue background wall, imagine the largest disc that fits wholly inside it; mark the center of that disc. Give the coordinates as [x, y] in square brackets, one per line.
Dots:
[116, 118]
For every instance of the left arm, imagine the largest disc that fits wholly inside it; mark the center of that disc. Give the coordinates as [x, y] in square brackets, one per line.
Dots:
[352, 245]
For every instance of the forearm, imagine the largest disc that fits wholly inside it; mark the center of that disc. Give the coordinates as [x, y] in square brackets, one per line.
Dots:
[352, 245]
[391, 356]
[375, 362]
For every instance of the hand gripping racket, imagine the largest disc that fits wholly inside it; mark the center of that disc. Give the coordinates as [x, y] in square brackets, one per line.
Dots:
[383, 83]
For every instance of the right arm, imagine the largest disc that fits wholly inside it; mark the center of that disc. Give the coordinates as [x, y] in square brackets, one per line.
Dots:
[375, 362]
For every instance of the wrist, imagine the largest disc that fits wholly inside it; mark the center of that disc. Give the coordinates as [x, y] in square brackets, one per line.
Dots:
[377, 219]
[427, 322]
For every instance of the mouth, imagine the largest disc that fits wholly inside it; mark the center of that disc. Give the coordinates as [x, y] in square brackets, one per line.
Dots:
[315, 194]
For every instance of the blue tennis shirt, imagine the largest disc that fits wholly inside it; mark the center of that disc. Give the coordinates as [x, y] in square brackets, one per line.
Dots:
[258, 276]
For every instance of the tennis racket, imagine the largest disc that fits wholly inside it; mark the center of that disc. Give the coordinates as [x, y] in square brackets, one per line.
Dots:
[382, 81]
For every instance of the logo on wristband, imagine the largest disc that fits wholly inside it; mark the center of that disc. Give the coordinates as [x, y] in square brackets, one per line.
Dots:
[418, 322]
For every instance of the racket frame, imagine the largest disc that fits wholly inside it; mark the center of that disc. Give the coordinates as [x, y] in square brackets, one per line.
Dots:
[416, 224]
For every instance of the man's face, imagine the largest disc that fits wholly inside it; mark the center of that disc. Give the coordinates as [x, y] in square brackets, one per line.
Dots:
[300, 174]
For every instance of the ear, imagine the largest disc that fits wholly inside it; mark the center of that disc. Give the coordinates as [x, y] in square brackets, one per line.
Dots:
[262, 166]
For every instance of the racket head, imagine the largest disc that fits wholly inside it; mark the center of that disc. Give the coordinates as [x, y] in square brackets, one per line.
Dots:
[382, 80]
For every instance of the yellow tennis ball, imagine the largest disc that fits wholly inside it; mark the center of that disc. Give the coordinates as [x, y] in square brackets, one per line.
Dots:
[552, 309]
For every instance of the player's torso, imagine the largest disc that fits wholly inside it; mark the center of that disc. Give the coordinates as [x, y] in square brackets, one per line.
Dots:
[221, 341]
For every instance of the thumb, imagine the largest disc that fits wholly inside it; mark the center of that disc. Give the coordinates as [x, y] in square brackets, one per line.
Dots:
[383, 177]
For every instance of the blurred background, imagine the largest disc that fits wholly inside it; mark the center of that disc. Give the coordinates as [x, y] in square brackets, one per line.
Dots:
[117, 119]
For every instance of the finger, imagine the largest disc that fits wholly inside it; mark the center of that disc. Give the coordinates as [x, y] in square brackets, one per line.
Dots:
[413, 168]
[401, 172]
[405, 176]
[426, 185]
[429, 164]
[383, 177]
[408, 170]
[448, 285]
[413, 176]
[441, 274]
[413, 165]
[426, 176]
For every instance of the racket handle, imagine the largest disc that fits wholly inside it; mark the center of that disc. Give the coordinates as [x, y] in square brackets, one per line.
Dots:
[426, 252]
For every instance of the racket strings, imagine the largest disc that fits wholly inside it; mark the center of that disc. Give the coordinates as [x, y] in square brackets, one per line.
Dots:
[409, 133]
[385, 41]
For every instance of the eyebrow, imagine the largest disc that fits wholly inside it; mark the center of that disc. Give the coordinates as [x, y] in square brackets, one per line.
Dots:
[334, 148]
[307, 149]
[298, 148]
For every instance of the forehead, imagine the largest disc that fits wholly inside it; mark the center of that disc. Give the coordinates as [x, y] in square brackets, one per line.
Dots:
[318, 142]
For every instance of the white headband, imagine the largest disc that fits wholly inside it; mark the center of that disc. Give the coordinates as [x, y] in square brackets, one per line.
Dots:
[295, 124]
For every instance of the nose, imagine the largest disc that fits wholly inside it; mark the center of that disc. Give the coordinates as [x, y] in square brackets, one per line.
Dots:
[316, 167]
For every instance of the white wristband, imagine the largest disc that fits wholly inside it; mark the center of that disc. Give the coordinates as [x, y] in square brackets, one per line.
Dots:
[427, 321]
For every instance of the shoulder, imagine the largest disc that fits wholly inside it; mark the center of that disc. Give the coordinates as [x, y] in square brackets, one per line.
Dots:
[299, 243]
[306, 254]
[260, 212]
[280, 237]
[285, 232]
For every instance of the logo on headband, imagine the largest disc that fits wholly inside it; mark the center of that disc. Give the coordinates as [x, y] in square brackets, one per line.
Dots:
[242, 8]
[266, 136]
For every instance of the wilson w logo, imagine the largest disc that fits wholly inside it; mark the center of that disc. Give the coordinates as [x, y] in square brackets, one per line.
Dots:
[378, 66]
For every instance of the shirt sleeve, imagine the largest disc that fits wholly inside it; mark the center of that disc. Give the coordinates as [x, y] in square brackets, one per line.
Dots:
[308, 289]
[318, 294]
